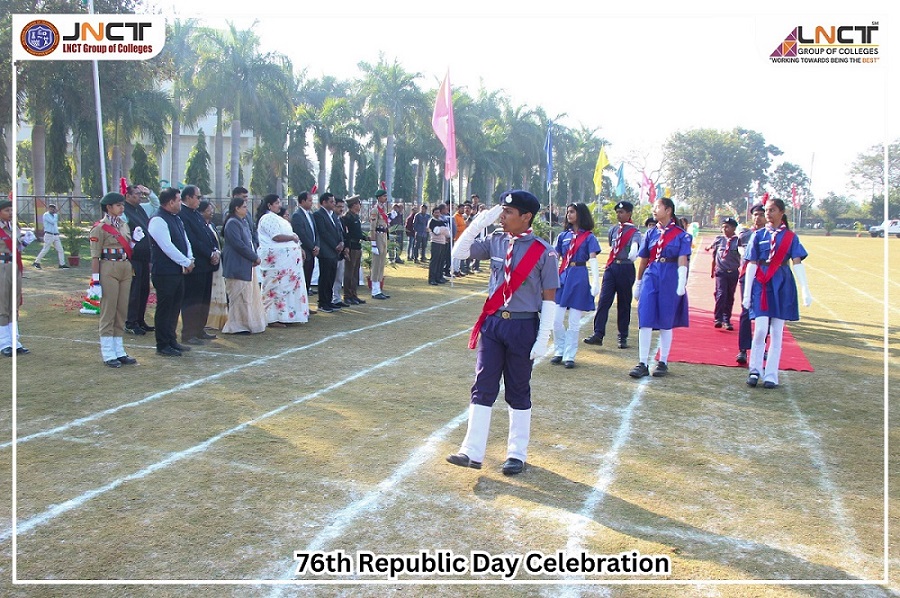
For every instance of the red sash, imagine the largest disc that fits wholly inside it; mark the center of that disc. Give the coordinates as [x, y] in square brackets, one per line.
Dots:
[574, 244]
[624, 240]
[517, 277]
[667, 238]
[763, 278]
[118, 237]
[9, 245]
[383, 215]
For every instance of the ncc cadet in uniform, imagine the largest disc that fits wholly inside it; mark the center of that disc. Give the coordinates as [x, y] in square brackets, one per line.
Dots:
[378, 230]
[618, 278]
[745, 331]
[111, 251]
[726, 263]
[9, 334]
[515, 323]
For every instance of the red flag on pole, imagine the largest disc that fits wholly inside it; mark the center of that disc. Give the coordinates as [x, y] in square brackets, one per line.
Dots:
[794, 200]
[444, 127]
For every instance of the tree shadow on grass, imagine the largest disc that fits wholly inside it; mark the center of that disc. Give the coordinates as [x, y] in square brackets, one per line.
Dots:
[759, 561]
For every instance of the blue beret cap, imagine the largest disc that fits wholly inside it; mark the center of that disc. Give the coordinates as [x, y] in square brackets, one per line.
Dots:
[523, 200]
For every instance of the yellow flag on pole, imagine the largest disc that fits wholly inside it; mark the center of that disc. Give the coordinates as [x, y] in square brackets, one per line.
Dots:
[602, 162]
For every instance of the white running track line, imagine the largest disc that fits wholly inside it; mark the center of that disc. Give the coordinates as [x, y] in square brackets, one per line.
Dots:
[55, 511]
[848, 539]
[101, 414]
[878, 275]
[849, 286]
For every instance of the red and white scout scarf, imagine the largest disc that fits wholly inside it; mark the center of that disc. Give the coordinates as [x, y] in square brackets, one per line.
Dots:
[507, 266]
[666, 234]
[776, 258]
[726, 247]
[621, 239]
[575, 242]
[773, 232]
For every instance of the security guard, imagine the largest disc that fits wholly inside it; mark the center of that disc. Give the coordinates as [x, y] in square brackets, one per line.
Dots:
[618, 277]
[379, 224]
[111, 251]
[515, 323]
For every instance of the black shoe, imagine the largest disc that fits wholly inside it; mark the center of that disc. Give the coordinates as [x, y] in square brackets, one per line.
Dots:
[569, 364]
[432, 283]
[169, 351]
[6, 352]
[22, 351]
[398, 261]
[718, 324]
[380, 296]
[556, 359]
[147, 327]
[768, 384]
[463, 460]
[179, 347]
[340, 304]
[639, 371]
[135, 330]
[728, 326]
[37, 265]
[63, 267]
[194, 341]
[351, 301]
[753, 379]
[660, 370]
[622, 342]
[326, 309]
[513, 466]
[594, 339]
[360, 301]
[113, 363]
[127, 360]
[206, 336]
[741, 357]
[458, 274]
[336, 306]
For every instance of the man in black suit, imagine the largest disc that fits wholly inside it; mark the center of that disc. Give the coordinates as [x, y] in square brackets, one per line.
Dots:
[331, 245]
[197, 284]
[305, 228]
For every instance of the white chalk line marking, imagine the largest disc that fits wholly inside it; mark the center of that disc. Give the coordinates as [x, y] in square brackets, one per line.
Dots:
[187, 385]
[848, 539]
[342, 519]
[56, 510]
[843, 257]
[606, 475]
[849, 286]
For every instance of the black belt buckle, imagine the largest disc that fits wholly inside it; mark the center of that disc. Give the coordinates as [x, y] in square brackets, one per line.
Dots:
[505, 314]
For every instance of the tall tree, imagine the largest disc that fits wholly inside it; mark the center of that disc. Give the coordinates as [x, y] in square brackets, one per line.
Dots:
[59, 170]
[197, 171]
[144, 169]
[788, 176]
[337, 182]
[181, 54]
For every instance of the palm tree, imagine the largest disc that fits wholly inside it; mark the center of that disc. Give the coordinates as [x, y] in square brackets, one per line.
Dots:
[181, 51]
[391, 93]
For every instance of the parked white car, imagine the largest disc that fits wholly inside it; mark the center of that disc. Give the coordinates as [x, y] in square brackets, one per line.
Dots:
[891, 226]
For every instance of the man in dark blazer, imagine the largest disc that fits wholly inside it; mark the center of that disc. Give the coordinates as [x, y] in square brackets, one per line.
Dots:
[331, 245]
[305, 228]
[197, 284]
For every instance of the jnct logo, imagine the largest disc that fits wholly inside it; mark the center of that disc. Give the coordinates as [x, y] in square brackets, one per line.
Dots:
[39, 38]
[99, 31]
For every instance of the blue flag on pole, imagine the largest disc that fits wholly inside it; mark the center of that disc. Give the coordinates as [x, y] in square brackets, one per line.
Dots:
[620, 185]
[548, 151]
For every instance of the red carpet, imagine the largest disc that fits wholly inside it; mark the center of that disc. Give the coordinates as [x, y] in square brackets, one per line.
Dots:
[704, 344]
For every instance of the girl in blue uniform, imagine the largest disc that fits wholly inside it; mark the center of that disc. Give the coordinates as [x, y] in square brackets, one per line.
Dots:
[579, 280]
[661, 286]
[773, 301]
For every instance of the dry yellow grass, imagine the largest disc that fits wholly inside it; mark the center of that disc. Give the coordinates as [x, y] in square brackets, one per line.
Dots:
[333, 435]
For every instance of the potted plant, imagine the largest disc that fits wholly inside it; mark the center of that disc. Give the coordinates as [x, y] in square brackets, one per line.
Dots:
[72, 237]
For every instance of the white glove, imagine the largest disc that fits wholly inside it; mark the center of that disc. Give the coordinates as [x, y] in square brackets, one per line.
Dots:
[682, 281]
[28, 238]
[633, 252]
[138, 234]
[749, 277]
[594, 270]
[800, 273]
[548, 313]
[374, 248]
[479, 223]
[636, 292]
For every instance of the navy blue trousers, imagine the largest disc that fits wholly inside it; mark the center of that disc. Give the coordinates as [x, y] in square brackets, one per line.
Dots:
[745, 331]
[505, 350]
[726, 284]
[618, 280]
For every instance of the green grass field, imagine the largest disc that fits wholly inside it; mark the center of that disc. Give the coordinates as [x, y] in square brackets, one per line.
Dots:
[332, 436]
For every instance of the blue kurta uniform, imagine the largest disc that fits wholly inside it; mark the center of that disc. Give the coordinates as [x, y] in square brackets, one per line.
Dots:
[574, 290]
[506, 342]
[659, 307]
[781, 292]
